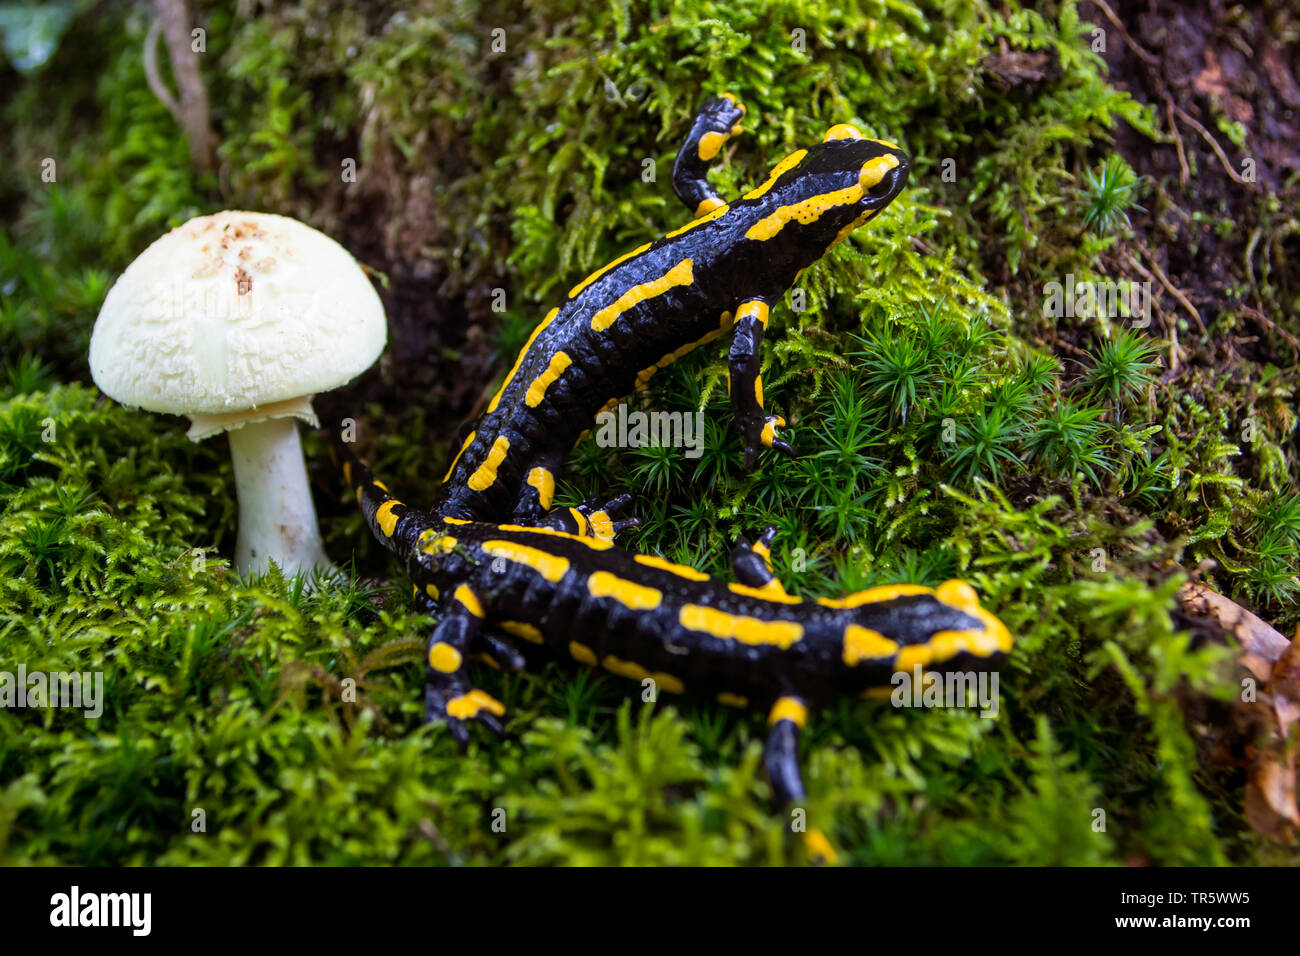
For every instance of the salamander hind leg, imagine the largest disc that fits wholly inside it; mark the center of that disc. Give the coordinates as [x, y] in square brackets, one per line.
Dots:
[786, 721]
[593, 518]
[757, 429]
[717, 121]
[449, 696]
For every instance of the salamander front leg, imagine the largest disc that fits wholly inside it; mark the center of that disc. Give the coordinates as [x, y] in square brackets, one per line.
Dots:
[718, 120]
[757, 430]
[448, 694]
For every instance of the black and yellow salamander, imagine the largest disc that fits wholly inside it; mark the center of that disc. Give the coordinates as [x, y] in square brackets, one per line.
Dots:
[500, 589]
[723, 270]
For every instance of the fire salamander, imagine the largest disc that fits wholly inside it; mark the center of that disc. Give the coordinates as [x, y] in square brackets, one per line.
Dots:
[502, 589]
[722, 271]
[507, 575]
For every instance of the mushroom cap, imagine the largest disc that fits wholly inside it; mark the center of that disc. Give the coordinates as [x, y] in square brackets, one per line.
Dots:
[234, 311]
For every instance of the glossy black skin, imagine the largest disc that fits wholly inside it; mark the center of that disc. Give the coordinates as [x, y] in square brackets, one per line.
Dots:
[475, 594]
[728, 270]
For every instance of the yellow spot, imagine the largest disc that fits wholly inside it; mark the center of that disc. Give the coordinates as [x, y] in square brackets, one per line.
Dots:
[695, 223]
[541, 479]
[678, 275]
[580, 520]
[468, 705]
[710, 143]
[842, 131]
[805, 211]
[636, 672]
[873, 170]
[763, 551]
[755, 308]
[381, 486]
[788, 708]
[780, 169]
[445, 658]
[958, 594]
[385, 518]
[456, 521]
[525, 631]
[601, 525]
[738, 627]
[645, 374]
[888, 592]
[844, 233]
[519, 360]
[638, 597]
[432, 591]
[486, 475]
[537, 391]
[864, 644]
[489, 660]
[469, 440]
[733, 700]
[430, 542]
[550, 566]
[885, 142]
[819, 848]
[603, 269]
[347, 473]
[681, 570]
[469, 600]
[945, 645]
[707, 206]
[758, 390]
[582, 653]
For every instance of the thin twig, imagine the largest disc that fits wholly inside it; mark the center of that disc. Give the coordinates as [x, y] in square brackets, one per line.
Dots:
[1173, 291]
[1183, 172]
[1171, 328]
[1133, 44]
[1214, 143]
[1261, 317]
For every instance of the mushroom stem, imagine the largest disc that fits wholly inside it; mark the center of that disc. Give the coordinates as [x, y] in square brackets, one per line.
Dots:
[277, 518]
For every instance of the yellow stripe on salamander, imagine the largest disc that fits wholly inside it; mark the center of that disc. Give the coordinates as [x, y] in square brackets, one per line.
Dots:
[784, 166]
[678, 275]
[739, 627]
[550, 566]
[444, 658]
[573, 293]
[468, 705]
[709, 216]
[519, 629]
[582, 653]
[638, 597]
[469, 440]
[636, 672]
[805, 211]
[519, 360]
[888, 592]
[771, 591]
[596, 544]
[469, 600]
[541, 479]
[681, 570]
[864, 644]
[788, 708]
[486, 475]
[537, 391]
[385, 518]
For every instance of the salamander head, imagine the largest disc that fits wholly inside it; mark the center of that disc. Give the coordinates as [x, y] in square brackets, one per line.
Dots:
[902, 627]
[822, 194]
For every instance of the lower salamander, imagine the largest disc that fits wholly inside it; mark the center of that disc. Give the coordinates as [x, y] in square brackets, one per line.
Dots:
[498, 588]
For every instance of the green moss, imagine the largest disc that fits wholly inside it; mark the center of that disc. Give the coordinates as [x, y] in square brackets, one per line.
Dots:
[936, 439]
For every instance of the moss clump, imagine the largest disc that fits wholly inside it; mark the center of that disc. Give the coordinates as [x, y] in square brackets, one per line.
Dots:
[946, 427]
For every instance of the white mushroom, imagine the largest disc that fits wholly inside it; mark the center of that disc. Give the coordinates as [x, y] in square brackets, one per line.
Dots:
[236, 320]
